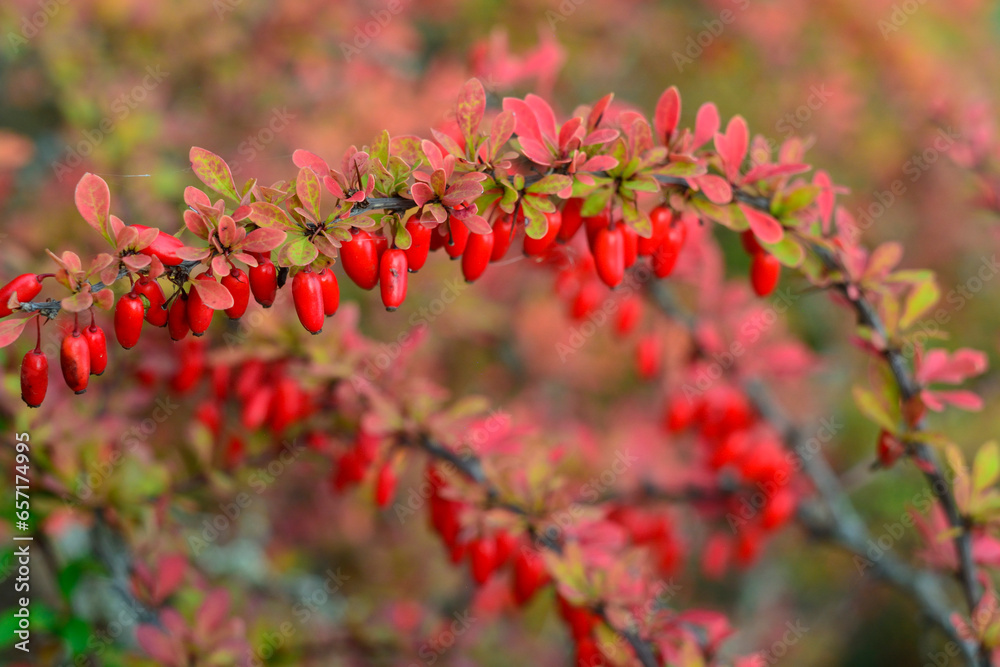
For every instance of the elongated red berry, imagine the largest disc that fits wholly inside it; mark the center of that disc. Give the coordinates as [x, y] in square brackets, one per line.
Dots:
[359, 257]
[529, 575]
[589, 654]
[649, 356]
[165, 247]
[199, 314]
[594, 224]
[264, 281]
[571, 219]
[503, 236]
[478, 252]
[764, 273]
[331, 291]
[177, 318]
[393, 278]
[506, 543]
[27, 286]
[586, 301]
[74, 359]
[307, 293]
[665, 257]
[420, 244]
[630, 245]
[458, 237]
[749, 242]
[579, 619]
[537, 247]
[97, 343]
[483, 558]
[128, 320]
[660, 219]
[609, 255]
[239, 286]
[34, 378]
[156, 314]
[629, 314]
[385, 485]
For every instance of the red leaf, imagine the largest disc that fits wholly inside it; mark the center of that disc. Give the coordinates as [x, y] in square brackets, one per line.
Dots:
[737, 142]
[668, 113]
[544, 115]
[301, 158]
[157, 644]
[501, 131]
[716, 188]
[10, 330]
[825, 200]
[169, 576]
[597, 113]
[526, 123]
[706, 124]
[213, 610]
[193, 197]
[470, 107]
[93, 200]
[265, 214]
[307, 188]
[764, 226]
[263, 239]
[214, 295]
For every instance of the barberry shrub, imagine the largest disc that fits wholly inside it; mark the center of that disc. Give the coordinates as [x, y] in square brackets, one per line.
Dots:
[621, 214]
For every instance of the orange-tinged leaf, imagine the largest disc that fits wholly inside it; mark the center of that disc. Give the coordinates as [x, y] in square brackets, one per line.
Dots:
[266, 214]
[214, 295]
[10, 330]
[307, 187]
[213, 171]
[93, 200]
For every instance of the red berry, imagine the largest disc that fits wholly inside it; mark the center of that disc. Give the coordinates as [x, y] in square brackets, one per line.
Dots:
[529, 574]
[393, 278]
[385, 485]
[286, 404]
[571, 219]
[164, 247]
[750, 243]
[420, 244]
[660, 219]
[256, 408]
[681, 412]
[630, 244]
[629, 315]
[537, 247]
[331, 291]
[74, 358]
[478, 252]
[609, 254]
[239, 286]
[359, 257]
[156, 314]
[889, 449]
[264, 281]
[34, 378]
[458, 237]
[503, 235]
[191, 369]
[588, 653]
[665, 257]
[586, 300]
[97, 344]
[649, 356]
[595, 223]
[747, 546]
[579, 619]
[764, 273]
[177, 319]
[199, 315]
[27, 286]
[307, 293]
[128, 320]
[779, 509]
[506, 543]
[483, 557]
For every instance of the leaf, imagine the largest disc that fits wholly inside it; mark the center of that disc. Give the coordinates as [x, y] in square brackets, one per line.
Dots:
[500, 132]
[263, 239]
[549, 185]
[716, 188]
[402, 237]
[265, 214]
[668, 113]
[706, 124]
[787, 251]
[297, 251]
[10, 330]
[214, 295]
[764, 226]
[470, 107]
[535, 222]
[920, 299]
[985, 467]
[307, 188]
[872, 408]
[93, 201]
[213, 172]
[302, 158]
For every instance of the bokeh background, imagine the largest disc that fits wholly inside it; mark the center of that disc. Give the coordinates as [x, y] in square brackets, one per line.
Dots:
[123, 88]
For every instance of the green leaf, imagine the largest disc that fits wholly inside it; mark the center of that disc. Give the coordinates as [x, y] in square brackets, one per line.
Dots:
[636, 219]
[297, 251]
[307, 189]
[596, 203]
[265, 214]
[787, 251]
[681, 169]
[213, 172]
[986, 467]
[470, 107]
[791, 201]
[920, 299]
[872, 408]
[402, 237]
[550, 185]
[380, 148]
[535, 222]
